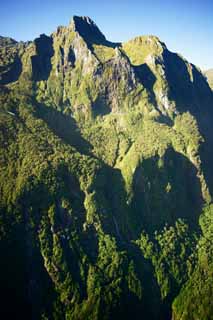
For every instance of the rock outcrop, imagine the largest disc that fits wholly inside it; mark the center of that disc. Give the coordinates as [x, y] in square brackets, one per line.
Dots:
[106, 179]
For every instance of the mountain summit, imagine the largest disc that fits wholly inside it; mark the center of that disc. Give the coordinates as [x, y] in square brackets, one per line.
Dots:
[106, 179]
[88, 29]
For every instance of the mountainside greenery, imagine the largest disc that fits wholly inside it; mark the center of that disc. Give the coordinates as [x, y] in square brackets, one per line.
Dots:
[106, 179]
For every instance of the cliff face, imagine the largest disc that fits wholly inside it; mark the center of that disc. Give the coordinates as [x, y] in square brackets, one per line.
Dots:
[106, 180]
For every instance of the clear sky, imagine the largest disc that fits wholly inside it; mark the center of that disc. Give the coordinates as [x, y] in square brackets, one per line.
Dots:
[186, 26]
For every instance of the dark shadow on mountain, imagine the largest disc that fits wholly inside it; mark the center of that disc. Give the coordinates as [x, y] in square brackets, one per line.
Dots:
[24, 280]
[164, 119]
[64, 127]
[193, 95]
[11, 72]
[166, 189]
[91, 33]
[130, 304]
[147, 79]
[155, 308]
[100, 107]
[70, 221]
[13, 272]
[190, 93]
[145, 75]
[118, 220]
[41, 62]
[115, 196]
[178, 78]
[108, 184]
[69, 188]
[66, 220]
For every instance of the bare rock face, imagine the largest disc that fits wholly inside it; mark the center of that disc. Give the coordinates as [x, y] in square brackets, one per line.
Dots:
[106, 179]
[77, 66]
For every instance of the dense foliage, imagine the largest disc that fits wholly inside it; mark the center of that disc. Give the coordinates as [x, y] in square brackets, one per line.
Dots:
[106, 179]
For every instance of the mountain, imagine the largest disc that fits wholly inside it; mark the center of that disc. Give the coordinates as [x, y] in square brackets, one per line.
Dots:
[209, 75]
[106, 179]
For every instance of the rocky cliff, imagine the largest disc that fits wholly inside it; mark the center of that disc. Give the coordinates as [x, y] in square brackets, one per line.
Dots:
[106, 179]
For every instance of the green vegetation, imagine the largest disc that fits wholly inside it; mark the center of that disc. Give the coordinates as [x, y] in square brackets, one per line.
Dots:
[141, 47]
[195, 299]
[105, 180]
[104, 53]
[173, 255]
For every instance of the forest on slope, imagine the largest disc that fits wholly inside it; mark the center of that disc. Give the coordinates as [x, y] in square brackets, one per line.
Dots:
[106, 179]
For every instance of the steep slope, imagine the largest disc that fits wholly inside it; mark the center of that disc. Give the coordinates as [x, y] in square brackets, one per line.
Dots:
[106, 179]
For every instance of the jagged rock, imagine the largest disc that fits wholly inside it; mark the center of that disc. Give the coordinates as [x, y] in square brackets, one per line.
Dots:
[106, 179]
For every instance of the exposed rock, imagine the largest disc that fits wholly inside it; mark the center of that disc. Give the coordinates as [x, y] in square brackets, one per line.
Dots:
[106, 179]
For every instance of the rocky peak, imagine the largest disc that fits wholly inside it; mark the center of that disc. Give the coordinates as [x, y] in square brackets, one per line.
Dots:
[79, 56]
[88, 30]
[149, 40]
[6, 41]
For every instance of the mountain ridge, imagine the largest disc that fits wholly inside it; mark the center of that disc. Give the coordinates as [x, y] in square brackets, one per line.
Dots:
[106, 182]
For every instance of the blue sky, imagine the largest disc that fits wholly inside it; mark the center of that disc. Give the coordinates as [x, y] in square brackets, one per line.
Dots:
[185, 26]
